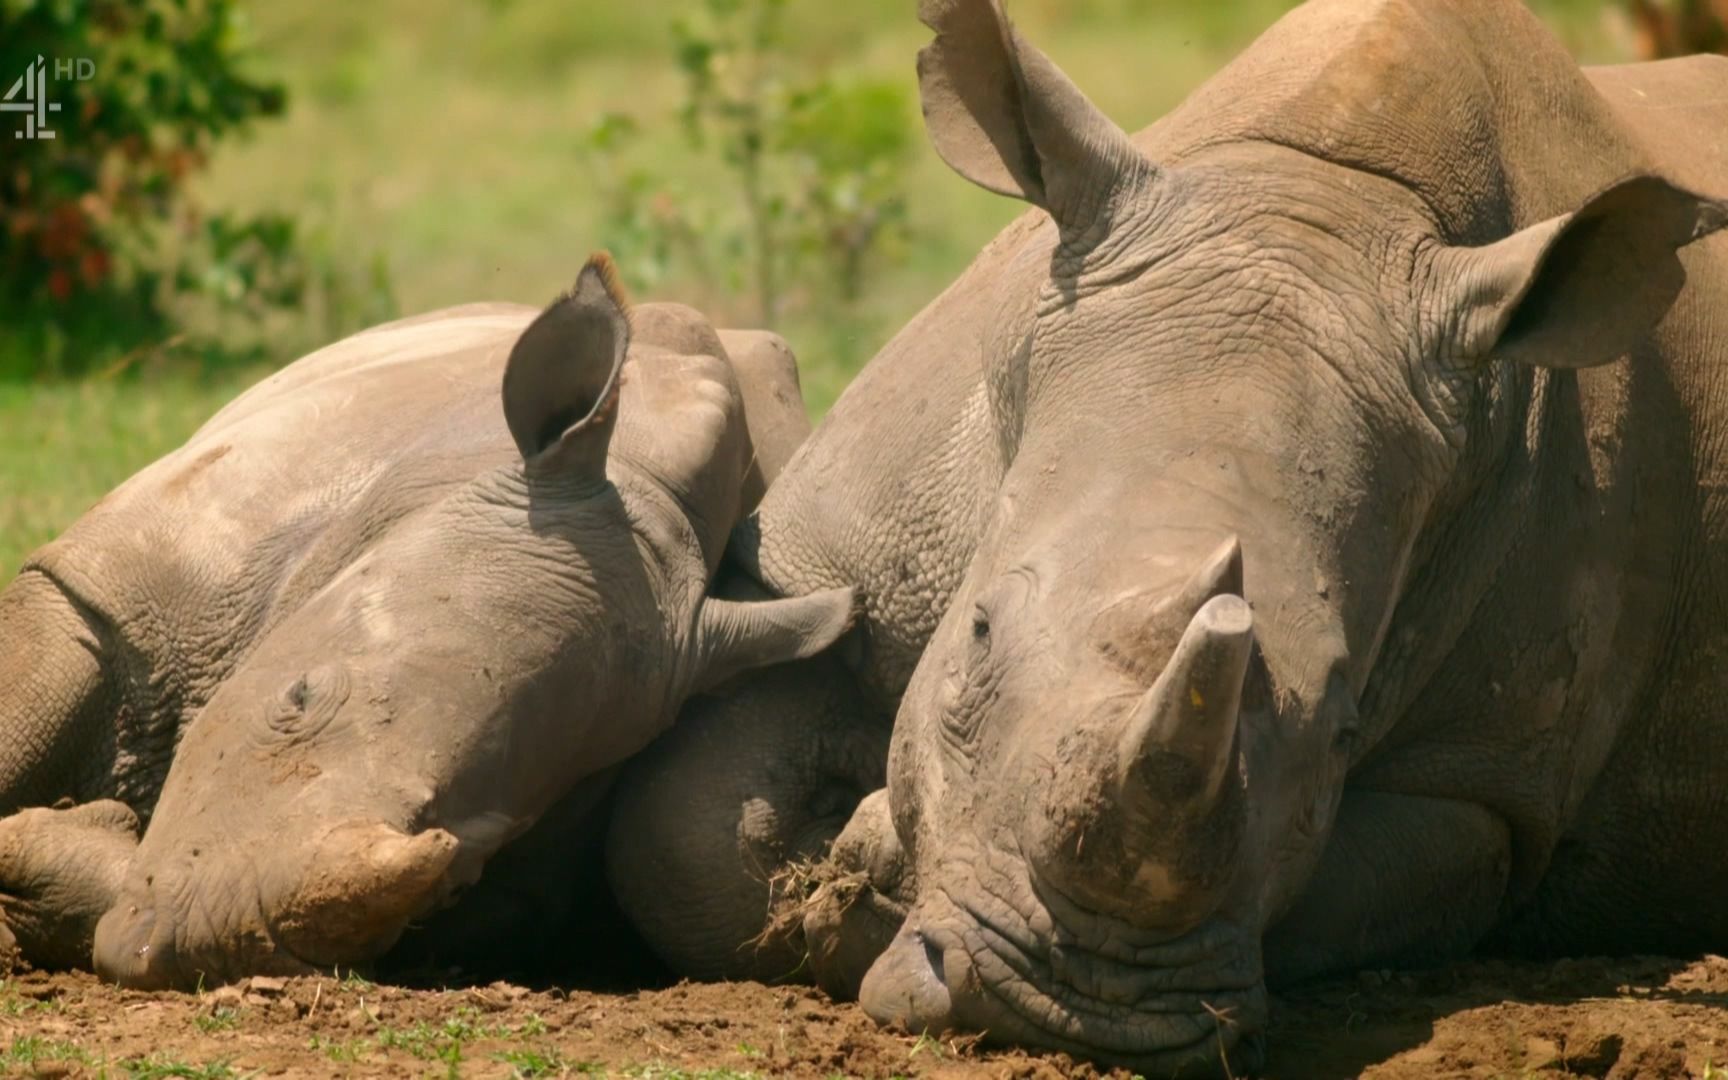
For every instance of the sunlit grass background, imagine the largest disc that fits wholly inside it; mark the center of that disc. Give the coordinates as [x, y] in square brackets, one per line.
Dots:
[439, 141]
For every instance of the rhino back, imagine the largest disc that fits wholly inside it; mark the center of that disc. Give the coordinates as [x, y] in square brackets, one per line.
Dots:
[1664, 105]
[188, 562]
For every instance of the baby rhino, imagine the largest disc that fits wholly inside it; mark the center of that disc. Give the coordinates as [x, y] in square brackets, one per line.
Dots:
[359, 634]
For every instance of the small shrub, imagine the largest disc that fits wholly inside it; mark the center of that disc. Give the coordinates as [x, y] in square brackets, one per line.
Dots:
[100, 243]
[812, 167]
[1679, 27]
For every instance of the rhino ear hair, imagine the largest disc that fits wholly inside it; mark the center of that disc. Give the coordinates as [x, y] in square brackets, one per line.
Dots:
[562, 381]
[734, 636]
[1004, 116]
[1578, 290]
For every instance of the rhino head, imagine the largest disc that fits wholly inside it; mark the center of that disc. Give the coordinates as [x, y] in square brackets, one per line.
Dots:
[1243, 393]
[526, 631]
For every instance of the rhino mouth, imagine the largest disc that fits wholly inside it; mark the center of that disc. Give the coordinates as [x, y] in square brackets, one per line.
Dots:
[345, 900]
[1087, 985]
[1188, 1016]
[174, 933]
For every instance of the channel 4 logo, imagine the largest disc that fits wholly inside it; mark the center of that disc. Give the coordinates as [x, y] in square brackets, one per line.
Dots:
[29, 94]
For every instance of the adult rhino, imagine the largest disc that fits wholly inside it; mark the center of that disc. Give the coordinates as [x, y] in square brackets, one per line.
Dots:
[378, 632]
[1339, 555]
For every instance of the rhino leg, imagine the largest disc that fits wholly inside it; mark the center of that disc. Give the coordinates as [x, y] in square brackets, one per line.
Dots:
[56, 695]
[1405, 880]
[714, 825]
[853, 916]
[59, 871]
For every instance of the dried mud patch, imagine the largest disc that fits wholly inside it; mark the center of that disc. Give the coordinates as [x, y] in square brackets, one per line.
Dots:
[1623, 1019]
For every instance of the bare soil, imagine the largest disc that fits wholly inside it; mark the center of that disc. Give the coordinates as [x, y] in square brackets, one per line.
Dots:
[1624, 1019]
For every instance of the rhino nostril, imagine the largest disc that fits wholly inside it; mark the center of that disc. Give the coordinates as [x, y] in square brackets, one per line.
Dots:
[906, 986]
[932, 956]
[126, 948]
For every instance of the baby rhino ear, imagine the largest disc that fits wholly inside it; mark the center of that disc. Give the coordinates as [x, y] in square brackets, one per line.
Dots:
[734, 636]
[561, 384]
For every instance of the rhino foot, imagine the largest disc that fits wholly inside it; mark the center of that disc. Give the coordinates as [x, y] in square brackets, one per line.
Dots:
[59, 871]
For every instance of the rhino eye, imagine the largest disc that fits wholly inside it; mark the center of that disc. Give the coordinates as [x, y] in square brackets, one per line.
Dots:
[309, 704]
[297, 694]
[980, 625]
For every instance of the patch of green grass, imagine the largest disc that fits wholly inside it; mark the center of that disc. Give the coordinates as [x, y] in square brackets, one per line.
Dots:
[669, 1072]
[65, 445]
[531, 1063]
[451, 1055]
[531, 1028]
[14, 1004]
[222, 1019]
[342, 1050]
[166, 1068]
[26, 1050]
[928, 1044]
[445, 1041]
[421, 1040]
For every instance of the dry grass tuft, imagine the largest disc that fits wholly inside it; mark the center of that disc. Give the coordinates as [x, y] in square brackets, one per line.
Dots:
[798, 886]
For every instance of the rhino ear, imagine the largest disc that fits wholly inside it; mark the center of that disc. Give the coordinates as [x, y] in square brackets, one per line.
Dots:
[1005, 117]
[734, 636]
[1581, 289]
[561, 384]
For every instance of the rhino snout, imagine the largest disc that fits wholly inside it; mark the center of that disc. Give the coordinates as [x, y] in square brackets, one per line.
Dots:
[147, 940]
[146, 943]
[343, 899]
[133, 947]
[905, 988]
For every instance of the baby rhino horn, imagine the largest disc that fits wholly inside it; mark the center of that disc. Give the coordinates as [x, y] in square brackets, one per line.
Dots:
[361, 886]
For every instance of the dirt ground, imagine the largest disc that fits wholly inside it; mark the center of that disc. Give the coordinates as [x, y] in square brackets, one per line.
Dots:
[1625, 1019]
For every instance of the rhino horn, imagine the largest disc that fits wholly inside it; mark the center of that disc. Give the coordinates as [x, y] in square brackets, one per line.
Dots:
[1220, 574]
[1143, 627]
[1190, 713]
[361, 886]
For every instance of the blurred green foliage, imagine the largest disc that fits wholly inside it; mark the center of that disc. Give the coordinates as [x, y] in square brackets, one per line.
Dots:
[814, 164]
[98, 235]
[1679, 27]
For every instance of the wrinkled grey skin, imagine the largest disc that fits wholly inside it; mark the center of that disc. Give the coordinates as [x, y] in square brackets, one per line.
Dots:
[389, 628]
[888, 494]
[1343, 598]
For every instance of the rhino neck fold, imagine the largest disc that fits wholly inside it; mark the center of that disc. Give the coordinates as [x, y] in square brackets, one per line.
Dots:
[1542, 517]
